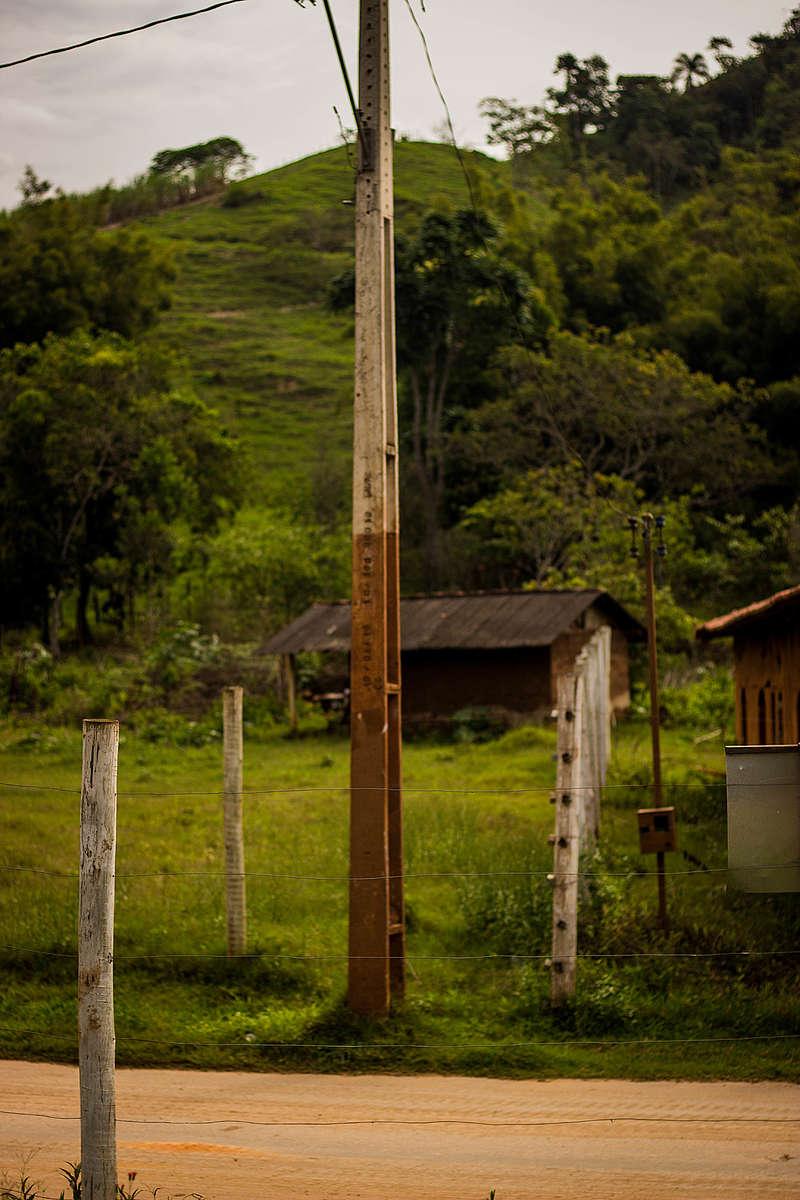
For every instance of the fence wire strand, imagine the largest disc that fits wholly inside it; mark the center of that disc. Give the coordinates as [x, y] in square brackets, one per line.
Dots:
[380, 1047]
[406, 789]
[543, 874]
[512, 956]
[249, 1121]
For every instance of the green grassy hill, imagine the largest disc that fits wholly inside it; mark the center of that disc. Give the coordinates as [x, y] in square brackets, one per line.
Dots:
[249, 310]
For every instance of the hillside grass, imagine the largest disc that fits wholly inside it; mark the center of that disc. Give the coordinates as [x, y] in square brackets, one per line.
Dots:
[476, 1002]
[249, 312]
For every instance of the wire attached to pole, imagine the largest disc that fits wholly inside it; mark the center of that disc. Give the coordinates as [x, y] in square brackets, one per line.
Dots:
[362, 133]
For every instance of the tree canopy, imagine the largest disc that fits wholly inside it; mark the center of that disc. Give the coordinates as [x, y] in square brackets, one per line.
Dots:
[219, 156]
[102, 449]
[58, 273]
[457, 303]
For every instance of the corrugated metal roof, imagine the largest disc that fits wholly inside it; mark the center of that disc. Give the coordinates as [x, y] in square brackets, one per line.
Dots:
[726, 625]
[461, 621]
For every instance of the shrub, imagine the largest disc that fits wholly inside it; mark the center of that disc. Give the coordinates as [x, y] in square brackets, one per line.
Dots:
[705, 703]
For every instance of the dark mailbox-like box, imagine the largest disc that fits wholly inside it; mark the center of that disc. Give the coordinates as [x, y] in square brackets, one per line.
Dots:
[657, 830]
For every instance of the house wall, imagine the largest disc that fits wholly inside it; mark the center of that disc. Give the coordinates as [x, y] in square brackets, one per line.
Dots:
[437, 683]
[767, 682]
[566, 648]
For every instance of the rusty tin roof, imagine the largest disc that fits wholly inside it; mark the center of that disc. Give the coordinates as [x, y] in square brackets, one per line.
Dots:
[729, 623]
[461, 621]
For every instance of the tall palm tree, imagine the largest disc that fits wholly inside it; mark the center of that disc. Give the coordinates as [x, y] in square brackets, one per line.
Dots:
[689, 67]
[720, 47]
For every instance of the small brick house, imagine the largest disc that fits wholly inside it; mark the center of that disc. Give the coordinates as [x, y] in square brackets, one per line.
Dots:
[497, 650]
[766, 667]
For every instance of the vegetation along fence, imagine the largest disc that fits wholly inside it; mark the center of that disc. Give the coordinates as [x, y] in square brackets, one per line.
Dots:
[582, 754]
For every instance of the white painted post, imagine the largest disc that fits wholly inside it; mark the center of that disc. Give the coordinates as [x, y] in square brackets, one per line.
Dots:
[583, 744]
[567, 836]
[604, 635]
[96, 1043]
[590, 754]
[232, 820]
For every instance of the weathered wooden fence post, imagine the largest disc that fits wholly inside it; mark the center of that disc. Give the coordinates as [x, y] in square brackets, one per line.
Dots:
[232, 819]
[583, 749]
[98, 836]
[605, 636]
[591, 748]
[289, 671]
[569, 798]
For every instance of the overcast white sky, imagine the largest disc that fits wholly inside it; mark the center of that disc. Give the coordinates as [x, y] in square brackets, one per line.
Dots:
[265, 71]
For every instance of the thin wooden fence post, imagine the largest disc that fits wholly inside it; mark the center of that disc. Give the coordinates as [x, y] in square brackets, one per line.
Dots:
[567, 837]
[96, 1041]
[603, 637]
[235, 910]
[591, 749]
[290, 684]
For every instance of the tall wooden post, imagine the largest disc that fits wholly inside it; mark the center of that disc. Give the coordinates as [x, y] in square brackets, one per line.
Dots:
[96, 1041]
[289, 668]
[566, 861]
[655, 721]
[377, 950]
[235, 908]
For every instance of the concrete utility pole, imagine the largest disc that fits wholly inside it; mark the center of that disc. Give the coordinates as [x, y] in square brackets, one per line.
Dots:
[648, 524]
[377, 917]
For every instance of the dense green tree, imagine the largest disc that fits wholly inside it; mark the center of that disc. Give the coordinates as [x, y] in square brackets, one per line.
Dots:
[516, 127]
[262, 570]
[58, 273]
[456, 304]
[618, 411]
[216, 157]
[585, 98]
[604, 238]
[101, 450]
[732, 287]
[674, 137]
[561, 526]
[33, 189]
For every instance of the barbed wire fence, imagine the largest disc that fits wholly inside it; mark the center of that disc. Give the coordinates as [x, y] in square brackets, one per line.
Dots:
[584, 788]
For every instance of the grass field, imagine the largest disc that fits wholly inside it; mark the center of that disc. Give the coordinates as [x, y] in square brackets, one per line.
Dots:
[249, 312]
[478, 989]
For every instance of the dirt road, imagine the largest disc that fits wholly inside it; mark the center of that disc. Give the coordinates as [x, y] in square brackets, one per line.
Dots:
[238, 1136]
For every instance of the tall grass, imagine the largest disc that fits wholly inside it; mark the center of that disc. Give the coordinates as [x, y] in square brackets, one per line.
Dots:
[477, 818]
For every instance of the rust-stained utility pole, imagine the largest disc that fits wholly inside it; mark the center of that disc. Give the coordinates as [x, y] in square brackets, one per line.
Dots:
[377, 919]
[648, 523]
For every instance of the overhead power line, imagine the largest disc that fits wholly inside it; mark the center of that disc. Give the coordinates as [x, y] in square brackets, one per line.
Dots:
[446, 106]
[104, 37]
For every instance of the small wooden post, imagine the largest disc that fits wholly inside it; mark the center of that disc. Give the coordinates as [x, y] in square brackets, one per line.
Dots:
[290, 676]
[567, 836]
[595, 734]
[603, 714]
[605, 697]
[98, 834]
[232, 819]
